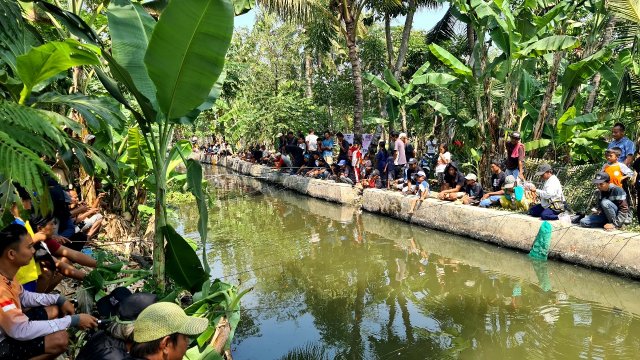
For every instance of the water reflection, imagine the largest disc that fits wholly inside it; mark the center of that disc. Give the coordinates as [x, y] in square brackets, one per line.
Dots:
[363, 286]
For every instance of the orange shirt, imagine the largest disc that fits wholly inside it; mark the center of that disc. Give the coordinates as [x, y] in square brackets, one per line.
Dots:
[615, 173]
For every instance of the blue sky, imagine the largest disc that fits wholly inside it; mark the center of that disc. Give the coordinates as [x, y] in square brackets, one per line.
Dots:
[424, 19]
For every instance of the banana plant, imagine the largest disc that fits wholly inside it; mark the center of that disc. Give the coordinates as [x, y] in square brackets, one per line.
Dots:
[405, 96]
[29, 132]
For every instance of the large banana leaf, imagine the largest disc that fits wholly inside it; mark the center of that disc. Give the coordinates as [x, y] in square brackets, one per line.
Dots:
[439, 107]
[99, 112]
[432, 78]
[215, 92]
[550, 44]
[47, 60]
[580, 71]
[136, 151]
[391, 80]
[194, 179]
[184, 65]
[377, 82]
[131, 27]
[451, 61]
[183, 265]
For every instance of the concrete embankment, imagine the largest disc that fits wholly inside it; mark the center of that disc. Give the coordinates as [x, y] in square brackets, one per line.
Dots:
[611, 251]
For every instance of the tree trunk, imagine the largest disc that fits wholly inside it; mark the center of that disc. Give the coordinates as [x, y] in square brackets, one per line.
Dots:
[404, 44]
[548, 95]
[308, 72]
[403, 116]
[161, 221]
[608, 35]
[388, 40]
[354, 58]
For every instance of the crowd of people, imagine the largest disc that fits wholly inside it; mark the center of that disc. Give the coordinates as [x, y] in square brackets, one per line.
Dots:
[397, 167]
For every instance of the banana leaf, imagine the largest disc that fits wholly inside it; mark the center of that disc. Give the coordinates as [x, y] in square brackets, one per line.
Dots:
[182, 263]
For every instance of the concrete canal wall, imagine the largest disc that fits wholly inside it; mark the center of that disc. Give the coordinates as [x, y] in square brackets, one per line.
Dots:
[616, 252]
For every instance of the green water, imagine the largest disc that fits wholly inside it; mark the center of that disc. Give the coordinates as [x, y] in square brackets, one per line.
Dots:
[329, 279]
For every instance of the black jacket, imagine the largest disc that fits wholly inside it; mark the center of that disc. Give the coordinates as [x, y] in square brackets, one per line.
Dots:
[103, 346]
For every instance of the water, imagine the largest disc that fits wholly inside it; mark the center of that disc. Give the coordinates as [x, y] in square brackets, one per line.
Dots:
[330, 280]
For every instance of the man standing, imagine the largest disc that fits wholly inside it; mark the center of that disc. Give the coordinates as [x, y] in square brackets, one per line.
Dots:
[312, 141]
[613, 209]
[514, 163]
[626, 146]
[37, 333]
[327, 148]
[551, 196]
[343, 154]
[399, 147]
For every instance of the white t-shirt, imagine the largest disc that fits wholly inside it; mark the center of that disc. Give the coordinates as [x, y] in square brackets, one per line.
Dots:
[443, 160]
[432, 146]
[312, 140]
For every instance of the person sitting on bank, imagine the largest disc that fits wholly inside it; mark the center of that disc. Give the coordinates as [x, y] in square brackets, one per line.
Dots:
[613, 208]
[62, 255]
[497, 182]
[40, 332]
[453, 182]
[617, 171]
[513, 197]
[423, 190]
[373, 181]
[345, 174]
[162, 331]
[552, 201]
[87, 218]
[390, 168]
[472, 189]
[116, 340]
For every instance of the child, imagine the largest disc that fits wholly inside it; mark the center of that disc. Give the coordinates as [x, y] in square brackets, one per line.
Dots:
[356, 159]
[473, 190]
[617, 171]
[514, 195]
[444, 158]
[423, 190]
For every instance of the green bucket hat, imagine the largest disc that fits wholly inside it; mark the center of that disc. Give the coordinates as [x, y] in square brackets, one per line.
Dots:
[163, 319]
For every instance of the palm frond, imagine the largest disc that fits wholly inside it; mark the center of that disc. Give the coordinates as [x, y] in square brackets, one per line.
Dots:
[298, 11]
[97, 111]
[20, 164]
[36, 121]
[444, 30]
[626, 9]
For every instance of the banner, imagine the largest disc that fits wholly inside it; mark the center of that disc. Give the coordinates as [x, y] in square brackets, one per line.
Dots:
[349, 138]
[366, 140]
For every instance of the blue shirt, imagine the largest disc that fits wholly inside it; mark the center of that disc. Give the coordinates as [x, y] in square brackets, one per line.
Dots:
[327, 143]
[422, 187]
[381, 161]
[627, 146]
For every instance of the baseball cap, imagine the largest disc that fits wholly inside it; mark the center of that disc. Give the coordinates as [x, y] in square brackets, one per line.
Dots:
[108, 305]
[421, 173]
[413, 161]
[402, 135]
[89, 137]
[342, 162]
[515, 135]
[601, 177]
[163, 319]
[133, 305]
[37, 220]
[509, 182]
[471, 177]
[543, 168]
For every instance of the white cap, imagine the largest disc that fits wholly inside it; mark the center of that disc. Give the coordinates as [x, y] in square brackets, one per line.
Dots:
[471, 177]
[402, 135]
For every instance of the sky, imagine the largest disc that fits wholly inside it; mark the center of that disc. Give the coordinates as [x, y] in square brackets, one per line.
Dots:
[424, 19]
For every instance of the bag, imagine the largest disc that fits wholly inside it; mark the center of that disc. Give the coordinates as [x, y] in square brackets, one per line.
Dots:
[557, 206]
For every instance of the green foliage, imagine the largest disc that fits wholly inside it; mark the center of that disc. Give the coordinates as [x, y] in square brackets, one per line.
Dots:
[43, 62]
[194, 179]
[183, 265]
[185, 80]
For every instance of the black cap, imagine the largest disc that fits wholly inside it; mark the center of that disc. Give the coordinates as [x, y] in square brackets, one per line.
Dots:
[39, 220]
[132, 306]
[601, 177]
[543, 168]
[108, 305]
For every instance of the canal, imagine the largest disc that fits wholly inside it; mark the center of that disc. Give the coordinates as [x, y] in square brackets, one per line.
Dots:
[332, 282]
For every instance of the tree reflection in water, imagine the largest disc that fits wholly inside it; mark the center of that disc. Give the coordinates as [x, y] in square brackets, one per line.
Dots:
[360, 286]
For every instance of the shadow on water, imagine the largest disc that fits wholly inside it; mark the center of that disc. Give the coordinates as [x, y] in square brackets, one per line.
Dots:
[330, 280]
